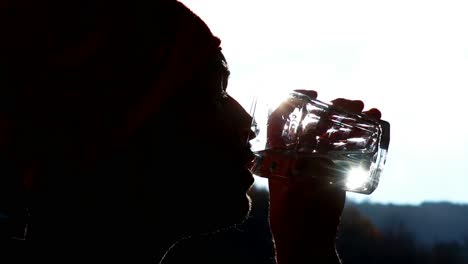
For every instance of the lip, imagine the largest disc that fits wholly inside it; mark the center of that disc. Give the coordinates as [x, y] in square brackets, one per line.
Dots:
[248, 163]
[244, 162]
[249, 157]
[247, 178]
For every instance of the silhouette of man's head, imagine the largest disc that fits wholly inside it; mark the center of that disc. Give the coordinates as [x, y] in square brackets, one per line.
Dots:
[122, 128]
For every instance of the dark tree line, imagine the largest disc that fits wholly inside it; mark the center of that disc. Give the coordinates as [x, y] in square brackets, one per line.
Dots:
[359, 240]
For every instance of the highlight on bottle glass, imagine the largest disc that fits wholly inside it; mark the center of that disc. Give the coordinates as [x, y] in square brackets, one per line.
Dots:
[337, 147]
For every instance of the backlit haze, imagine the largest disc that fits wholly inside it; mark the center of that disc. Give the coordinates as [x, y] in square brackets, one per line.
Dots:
[407, 58]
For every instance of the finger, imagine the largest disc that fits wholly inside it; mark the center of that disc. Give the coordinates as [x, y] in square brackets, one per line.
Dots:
[355, 106]
[285, 108]
[311, 93]
[373, 113]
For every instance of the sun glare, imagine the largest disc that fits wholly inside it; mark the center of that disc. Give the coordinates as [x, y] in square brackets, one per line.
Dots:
[356, 178]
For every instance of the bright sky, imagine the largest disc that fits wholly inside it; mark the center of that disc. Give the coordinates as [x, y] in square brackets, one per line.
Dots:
[408, 58]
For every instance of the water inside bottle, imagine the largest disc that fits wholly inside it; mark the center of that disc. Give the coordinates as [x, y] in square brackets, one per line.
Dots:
[351, 171]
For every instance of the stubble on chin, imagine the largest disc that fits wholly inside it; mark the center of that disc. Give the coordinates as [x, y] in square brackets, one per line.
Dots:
[234, 221]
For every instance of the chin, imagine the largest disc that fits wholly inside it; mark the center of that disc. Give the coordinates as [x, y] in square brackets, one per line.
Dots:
[244, 210]
[223, 202]
[237, 209]
[225, 216]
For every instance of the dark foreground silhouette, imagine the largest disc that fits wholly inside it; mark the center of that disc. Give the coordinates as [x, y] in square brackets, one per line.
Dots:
[359, 240]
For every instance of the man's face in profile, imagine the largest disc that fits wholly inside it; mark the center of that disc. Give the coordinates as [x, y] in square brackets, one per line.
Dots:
[204, 137]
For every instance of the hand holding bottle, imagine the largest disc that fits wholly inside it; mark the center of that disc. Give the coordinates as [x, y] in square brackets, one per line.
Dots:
[305, 212]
